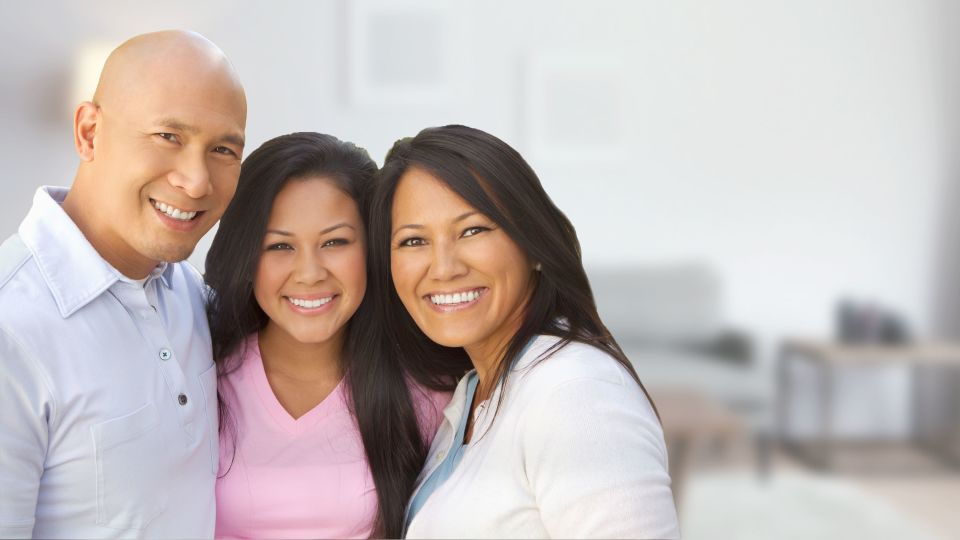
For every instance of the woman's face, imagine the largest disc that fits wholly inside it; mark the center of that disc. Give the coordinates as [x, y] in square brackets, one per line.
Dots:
[463, 280]
[312, 275]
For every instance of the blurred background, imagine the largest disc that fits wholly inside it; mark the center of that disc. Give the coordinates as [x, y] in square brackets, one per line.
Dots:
[765, 193]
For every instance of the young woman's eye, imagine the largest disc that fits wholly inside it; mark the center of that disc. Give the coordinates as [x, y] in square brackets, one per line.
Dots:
[279, 246]
[474, 230]
[412, 242]
[335, 242]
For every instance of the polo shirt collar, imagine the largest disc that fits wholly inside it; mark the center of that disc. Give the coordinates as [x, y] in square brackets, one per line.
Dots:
[71, 268]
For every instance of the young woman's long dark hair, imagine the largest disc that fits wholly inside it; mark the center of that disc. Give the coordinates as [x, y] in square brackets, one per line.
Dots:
[379, 396]
[493, 178]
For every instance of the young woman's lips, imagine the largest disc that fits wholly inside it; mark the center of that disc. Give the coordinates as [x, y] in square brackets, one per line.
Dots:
[311, 305]
[448, 302]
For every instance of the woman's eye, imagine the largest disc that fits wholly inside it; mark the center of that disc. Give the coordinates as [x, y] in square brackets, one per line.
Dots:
[335, 242]
[279, 246]
[412, 242]
[473, 230]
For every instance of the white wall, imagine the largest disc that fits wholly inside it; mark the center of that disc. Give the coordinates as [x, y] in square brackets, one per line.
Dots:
[801, 147]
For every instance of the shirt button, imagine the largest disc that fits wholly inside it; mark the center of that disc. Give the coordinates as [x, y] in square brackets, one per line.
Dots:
[165, 354]
[182, 398]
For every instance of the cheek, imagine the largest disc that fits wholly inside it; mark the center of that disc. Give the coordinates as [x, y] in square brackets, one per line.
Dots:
[401, 269]
[224, 179]
[267, 279]
[515, 268]
[355, 269]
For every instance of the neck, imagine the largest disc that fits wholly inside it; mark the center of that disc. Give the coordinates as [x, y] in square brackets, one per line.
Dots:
[486, 358]
[281, 353]
[84, 214]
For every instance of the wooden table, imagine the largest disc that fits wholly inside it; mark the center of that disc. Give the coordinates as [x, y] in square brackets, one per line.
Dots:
[828, 358]
[692, 421]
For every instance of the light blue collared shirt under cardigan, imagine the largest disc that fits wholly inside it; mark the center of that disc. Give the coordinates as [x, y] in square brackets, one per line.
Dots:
[453, 458]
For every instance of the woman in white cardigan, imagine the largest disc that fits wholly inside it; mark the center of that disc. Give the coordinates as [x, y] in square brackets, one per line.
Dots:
[549, 433]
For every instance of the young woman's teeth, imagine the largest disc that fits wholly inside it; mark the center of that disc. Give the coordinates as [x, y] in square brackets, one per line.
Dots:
[309, 304]
[456, 298]
[175, 213]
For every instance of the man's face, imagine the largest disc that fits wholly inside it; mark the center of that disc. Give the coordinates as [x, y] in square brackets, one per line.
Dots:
[167, 162]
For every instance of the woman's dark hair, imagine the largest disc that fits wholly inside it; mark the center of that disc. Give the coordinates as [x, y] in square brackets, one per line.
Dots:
[376, 385]
[493, 178]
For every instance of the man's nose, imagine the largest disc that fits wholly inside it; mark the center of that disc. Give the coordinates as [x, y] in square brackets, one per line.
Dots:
[192, 175]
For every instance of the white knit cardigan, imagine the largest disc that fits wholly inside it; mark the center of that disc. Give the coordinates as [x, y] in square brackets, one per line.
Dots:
[575, 451]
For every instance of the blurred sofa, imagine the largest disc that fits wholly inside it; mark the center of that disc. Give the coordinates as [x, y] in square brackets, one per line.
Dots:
[669, 319]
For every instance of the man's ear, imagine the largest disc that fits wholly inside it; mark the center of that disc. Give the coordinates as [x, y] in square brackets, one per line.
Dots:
[86, 120]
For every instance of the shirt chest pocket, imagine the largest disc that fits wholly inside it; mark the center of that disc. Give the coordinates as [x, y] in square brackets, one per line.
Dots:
[130, 486]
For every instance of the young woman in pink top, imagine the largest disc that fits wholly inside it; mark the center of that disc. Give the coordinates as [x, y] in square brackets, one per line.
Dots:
[321, 434]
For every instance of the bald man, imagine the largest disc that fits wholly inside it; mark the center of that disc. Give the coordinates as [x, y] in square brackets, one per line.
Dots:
[108, 403]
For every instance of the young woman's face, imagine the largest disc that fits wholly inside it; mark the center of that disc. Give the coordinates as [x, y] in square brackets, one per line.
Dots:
[463, 280]
[312, 275]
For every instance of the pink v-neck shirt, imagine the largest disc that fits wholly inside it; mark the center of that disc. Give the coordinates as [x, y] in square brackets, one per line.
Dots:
[308, 477]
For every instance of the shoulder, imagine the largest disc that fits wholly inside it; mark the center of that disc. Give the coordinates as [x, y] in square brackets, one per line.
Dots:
[13, 255]
[236, 375]
[27, 307]
[576, 377]
[184, 274]
[547, 364]
[428, 405]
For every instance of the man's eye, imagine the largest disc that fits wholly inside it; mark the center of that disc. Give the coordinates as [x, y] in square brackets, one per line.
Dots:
[412, 242]
[168, 137]
[279, 246]
[473, 230]
[225, 151]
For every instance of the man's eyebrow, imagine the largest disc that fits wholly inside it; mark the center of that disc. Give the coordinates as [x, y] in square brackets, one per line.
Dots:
[179, 125]
[234, 139]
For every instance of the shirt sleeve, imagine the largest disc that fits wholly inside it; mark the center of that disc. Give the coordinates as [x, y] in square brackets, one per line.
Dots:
[26, 405]
[596, 462]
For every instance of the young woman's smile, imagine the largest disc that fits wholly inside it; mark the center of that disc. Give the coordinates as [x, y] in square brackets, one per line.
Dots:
[311, 276]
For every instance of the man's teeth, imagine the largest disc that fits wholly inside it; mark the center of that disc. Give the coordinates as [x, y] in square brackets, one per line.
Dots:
[309, 304]
[175, 213]
[456, 298]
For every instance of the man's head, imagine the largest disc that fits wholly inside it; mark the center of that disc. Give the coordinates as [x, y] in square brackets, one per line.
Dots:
[160, 148]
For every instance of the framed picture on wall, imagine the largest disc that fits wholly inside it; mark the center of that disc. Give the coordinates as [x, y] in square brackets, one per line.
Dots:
[402, 53]
[574, 107]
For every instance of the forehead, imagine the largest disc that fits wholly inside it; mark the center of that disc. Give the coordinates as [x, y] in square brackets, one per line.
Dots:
[207, 101]
[421, 197]
[312, 203]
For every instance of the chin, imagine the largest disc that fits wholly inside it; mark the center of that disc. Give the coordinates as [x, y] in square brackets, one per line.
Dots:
[450, 338]
[172, 254]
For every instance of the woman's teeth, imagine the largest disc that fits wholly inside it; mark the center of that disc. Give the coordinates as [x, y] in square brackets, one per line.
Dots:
[456, 298]
[309, 304]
